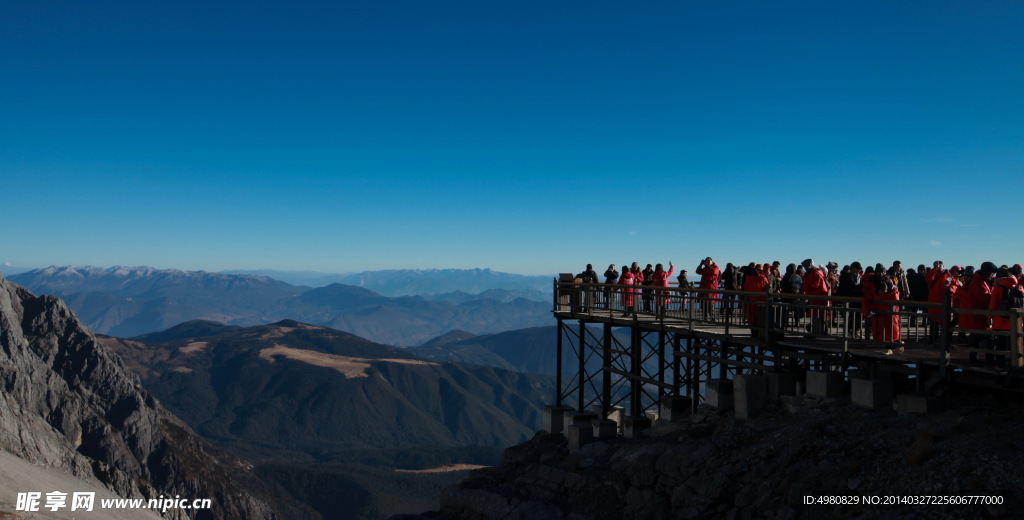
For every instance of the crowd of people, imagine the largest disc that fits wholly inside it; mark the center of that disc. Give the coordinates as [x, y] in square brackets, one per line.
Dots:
[883, 292]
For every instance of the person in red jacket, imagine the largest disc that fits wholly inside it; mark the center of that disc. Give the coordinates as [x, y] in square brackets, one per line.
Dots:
[1005, 283]
[754, 281]
[976, 297]
[939, 279]
[661, 279]
[885, 322]
[815, 285]
[709, 275]
[627, 278]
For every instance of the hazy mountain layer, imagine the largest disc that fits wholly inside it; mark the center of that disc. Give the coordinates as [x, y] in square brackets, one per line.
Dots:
[406, 282]
[128, 301]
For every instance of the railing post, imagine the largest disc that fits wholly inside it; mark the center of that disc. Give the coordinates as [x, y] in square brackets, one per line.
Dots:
[554, 306]
[767, 318]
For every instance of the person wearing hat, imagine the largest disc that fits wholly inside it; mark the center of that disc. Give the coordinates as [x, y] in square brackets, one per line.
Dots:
[611, 277]
[755, 281]
[879, 309]
[899, 279]
[628, 278]
[790, 286]
[814, 285]
[684, 285]
[648, 281]
[660, 279]
[976, 296]
[941, 280]
[1006, 295]
[709, 275]
[588, 276]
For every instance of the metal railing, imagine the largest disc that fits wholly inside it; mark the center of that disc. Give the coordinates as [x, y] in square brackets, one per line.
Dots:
[893, 324]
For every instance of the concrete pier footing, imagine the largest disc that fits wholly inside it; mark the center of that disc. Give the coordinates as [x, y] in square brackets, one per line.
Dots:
[917, 404]
[749, 395]
[872, 394]
[635, 425]
[553, 418]
[675, 408]
[825, 384]
[719, 394]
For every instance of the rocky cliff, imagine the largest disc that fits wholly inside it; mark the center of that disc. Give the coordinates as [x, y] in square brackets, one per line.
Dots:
[714, 466]
[69, 405]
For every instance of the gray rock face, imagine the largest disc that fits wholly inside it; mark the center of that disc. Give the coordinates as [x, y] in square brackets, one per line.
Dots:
[69, 403]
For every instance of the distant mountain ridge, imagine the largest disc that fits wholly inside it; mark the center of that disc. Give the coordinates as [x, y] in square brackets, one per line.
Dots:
[129, 301]
[410, 282]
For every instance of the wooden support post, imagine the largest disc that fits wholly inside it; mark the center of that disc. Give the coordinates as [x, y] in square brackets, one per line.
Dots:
[677, 378]
[606, 376]
[558, 363]
[945, 333]
[635, 352]
[1016, 346]
[693, 375]
[582, 358]
[661, 363]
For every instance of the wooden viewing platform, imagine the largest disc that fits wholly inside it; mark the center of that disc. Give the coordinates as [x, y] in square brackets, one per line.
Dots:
[624, 349]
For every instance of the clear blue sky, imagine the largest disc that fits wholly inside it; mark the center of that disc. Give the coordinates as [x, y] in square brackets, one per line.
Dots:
[528, 136]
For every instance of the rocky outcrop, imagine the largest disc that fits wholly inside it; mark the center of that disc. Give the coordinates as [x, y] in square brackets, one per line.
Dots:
[69, 404]
[715, 466]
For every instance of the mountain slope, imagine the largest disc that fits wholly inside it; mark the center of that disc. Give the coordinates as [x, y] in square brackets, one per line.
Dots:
[70, 404]
[293, 389]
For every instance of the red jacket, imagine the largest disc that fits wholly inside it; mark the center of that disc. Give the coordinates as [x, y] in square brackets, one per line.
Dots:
[754, 283]
[884, 327]
[975, 296]
[661, 278]
[998, 290]
[814, 283]
[709, 276]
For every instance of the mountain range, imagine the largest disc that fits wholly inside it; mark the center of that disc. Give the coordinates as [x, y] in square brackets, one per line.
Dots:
[408, 282]
[128, 301]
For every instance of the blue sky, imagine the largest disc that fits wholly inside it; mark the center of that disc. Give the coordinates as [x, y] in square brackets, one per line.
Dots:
[528, 137]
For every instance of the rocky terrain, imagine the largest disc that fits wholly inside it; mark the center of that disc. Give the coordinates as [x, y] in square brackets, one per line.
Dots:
[713, 466]
[70, 406]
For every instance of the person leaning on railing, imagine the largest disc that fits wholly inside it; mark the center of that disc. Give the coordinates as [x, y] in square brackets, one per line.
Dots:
[976, 297]
[660, 279]
[588, 276]
[709, 274]
[1006, 295]
[885, 321]
[611, 276]
[754, 281]
[814, 285]
[627, 278]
